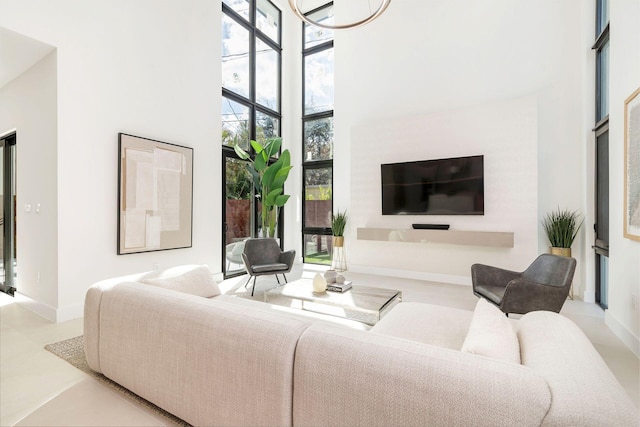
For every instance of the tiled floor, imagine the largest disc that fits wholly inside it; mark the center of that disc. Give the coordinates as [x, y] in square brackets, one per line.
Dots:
[39, 389]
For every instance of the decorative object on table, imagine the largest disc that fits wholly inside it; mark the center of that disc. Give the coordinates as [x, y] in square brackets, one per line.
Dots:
[268, 179]
[155, 191]
[544, 285]
[339, 287]
[340, 279]
[338, 255]
[319, 283]
[632, 166]
[330, 276]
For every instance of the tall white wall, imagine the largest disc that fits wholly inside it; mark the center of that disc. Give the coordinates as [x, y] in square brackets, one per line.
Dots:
[148, 68]
[624, 254]
[424, 62]
[28, 105]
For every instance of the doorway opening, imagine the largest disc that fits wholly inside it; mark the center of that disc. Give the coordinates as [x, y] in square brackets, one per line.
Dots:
[8, 262]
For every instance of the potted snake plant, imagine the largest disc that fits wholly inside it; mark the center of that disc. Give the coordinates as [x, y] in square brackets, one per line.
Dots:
[338, 224]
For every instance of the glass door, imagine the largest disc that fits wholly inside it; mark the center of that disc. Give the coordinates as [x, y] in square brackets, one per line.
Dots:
[8, 267]
[601, 129]
[601, 246]
[238, 218]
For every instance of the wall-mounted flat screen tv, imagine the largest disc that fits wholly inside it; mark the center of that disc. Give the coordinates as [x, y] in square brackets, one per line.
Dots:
[434, 187]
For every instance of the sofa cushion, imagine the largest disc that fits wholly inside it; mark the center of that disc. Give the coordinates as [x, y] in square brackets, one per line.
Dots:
[490, 334]
[494, 293]
[261, 268]
[426, 323]
[195, 280]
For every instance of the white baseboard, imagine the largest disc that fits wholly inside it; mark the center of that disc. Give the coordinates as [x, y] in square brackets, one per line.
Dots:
[589, 296]
[415, 275]
[39, 308]
[623, 333]
[56, 315]
[70, 313]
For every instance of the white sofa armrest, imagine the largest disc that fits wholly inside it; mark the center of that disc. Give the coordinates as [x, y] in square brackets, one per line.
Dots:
[92, 301]
[584, 390]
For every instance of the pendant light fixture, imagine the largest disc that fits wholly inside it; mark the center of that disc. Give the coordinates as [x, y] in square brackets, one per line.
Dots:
[296, 9]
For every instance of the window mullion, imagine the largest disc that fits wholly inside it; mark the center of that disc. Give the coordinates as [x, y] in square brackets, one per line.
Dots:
[317, 139]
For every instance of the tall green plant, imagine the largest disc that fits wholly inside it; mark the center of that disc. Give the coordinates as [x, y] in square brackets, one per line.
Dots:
[268, 179]
[562, 227]
[338, 223]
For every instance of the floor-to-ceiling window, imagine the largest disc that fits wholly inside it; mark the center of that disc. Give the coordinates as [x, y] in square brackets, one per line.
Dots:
[251, 106]
[601, 130]
[317, 138]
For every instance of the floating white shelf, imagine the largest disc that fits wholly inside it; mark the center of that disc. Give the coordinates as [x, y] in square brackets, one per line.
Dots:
[501, 239]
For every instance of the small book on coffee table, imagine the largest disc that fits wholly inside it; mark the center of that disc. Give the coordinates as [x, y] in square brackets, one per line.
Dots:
[339, 287]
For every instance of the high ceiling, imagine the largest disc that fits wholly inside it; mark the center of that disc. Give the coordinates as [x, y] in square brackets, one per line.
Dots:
[18, 53]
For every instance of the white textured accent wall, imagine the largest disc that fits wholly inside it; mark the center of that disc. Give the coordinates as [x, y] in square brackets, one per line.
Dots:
[505, 133]
[424, 58]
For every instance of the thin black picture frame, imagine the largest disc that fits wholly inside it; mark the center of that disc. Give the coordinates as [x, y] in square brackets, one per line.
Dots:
[155, 195]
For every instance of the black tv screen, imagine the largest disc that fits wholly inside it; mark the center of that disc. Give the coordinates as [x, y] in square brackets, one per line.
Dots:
[434, 187]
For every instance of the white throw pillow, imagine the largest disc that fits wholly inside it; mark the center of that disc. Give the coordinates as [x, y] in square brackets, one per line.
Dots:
[197, 280]
[490, 334]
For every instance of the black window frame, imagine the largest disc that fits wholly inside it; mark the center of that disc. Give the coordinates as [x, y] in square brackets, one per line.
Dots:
[601, 132]
[313, 164]
[254, 107]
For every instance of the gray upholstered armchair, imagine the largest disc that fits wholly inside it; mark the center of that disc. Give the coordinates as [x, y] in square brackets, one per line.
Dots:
[544, 285]
[264, 257]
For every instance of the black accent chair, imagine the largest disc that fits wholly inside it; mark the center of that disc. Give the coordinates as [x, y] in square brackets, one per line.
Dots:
[264, 257]
[544, 285]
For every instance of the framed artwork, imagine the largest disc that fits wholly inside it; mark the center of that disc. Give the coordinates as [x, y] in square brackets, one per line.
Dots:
[632, 166]
[155, 195]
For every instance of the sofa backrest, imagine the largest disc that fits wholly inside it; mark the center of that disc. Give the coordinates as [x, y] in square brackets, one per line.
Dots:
[205, 361]
[93, 298]
[585, 392]
[355, 378]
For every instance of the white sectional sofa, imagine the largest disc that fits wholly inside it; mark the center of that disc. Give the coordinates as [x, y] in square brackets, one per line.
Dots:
[225, 361]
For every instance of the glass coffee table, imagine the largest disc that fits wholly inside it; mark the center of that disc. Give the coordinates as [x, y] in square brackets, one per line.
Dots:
[361, 303]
